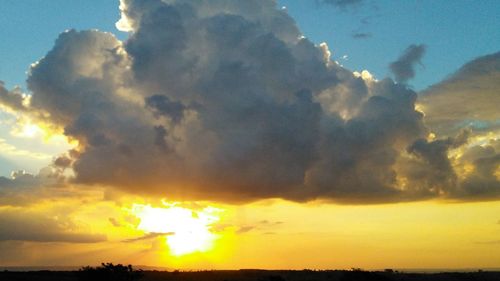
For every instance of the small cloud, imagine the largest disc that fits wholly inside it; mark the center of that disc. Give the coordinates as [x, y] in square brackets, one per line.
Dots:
[361, 35]
[365, 20]
[245, 229]
[343, 4]
[114, 222]
[148, 236]
[14, 151]
[404, 67]
[268, 223]
[260, 226]
[491, 242]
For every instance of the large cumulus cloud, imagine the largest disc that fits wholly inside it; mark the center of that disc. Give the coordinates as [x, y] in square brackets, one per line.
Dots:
[226, 100]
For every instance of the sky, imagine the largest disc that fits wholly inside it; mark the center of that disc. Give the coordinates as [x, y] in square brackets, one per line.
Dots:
[250, 134]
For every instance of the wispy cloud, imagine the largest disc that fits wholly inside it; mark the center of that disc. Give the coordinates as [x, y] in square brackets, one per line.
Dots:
[343, 3]
[10, 149]
[147, 237]
[361, 35]
[491, 242]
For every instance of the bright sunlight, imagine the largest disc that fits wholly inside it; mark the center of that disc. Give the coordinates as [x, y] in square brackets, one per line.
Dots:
[187, 231]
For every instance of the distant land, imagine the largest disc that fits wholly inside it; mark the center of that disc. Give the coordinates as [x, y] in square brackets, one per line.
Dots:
[70, 274]
[163, 268]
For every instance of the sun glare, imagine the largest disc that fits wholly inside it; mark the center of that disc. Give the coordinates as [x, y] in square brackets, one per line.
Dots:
[187, 231]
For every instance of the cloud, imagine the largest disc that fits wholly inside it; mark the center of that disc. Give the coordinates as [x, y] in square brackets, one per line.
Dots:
[343, 3]
[404, 67]
[361, 35]
[148, 237]
[47, 177]
[13, 151]
[491, 242]
[261, 226]
[483, 183]
[12, 100]
[271, 223]
[434, 169]
[245, 229]
[19, 225]
[114, 222]
[468, 98]
[23, 189]
[228, 101]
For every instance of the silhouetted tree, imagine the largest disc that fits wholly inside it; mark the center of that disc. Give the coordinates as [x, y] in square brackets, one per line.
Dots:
[109, 272]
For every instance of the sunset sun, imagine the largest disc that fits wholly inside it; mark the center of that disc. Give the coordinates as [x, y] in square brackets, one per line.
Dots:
[187, 231]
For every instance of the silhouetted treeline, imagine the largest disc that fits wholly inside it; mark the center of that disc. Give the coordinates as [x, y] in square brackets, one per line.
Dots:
[110, 272]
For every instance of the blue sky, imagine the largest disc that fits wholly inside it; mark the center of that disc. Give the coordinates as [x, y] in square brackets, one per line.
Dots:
[455, 31]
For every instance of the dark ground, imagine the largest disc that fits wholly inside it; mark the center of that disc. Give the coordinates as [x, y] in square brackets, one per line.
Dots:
[260, 275]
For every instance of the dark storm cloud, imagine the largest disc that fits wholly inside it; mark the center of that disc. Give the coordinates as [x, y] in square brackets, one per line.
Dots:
[404, 67]
[226, 100]
[162, 106]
